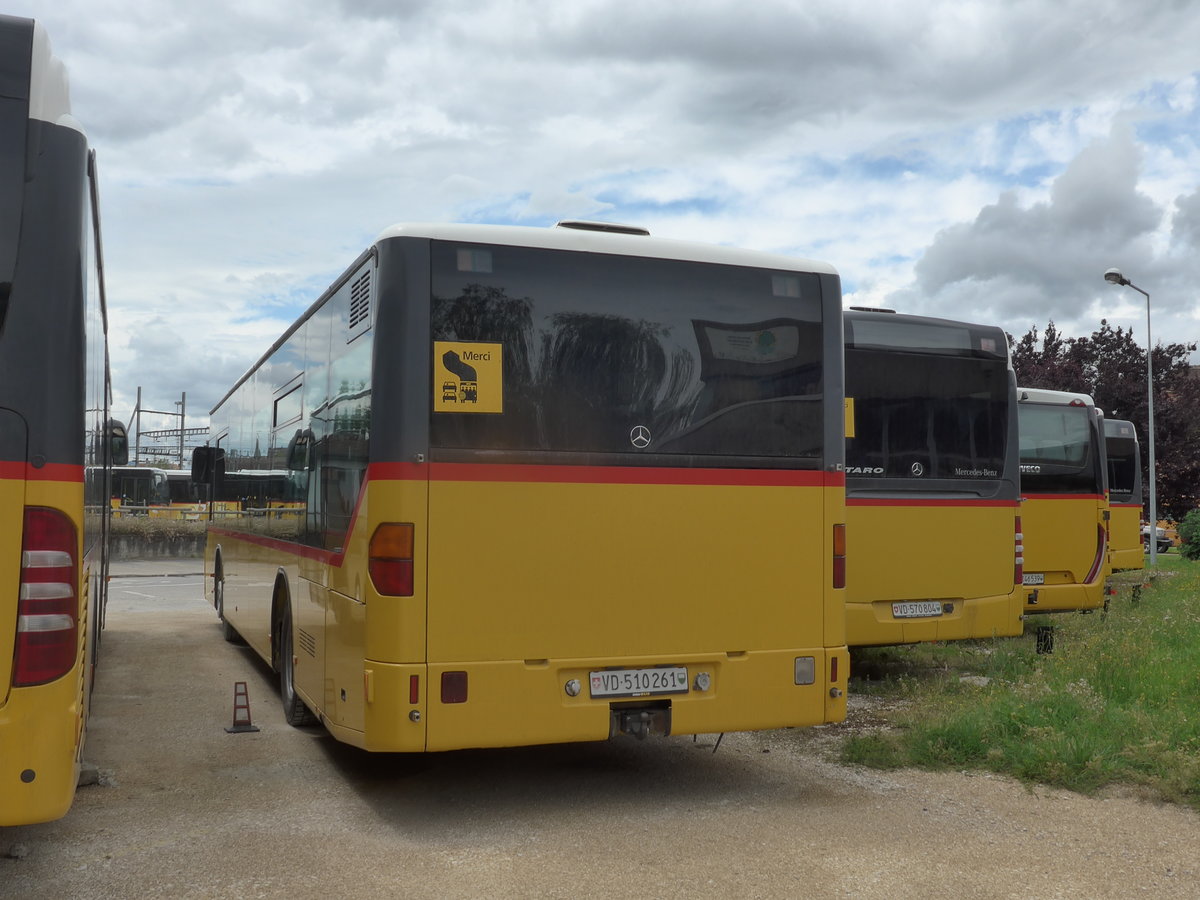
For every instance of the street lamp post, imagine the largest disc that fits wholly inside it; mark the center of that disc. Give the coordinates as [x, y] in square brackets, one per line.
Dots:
[1114, 276]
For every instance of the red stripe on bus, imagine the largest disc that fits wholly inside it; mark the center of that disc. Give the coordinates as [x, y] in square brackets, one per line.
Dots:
[1127, 505]
[928, 501]
[517, 473]
[318, 554]
[557, 474]
[47, 472]
[55, 472]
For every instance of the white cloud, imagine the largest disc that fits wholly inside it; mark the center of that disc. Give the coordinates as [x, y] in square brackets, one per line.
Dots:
[948, 157]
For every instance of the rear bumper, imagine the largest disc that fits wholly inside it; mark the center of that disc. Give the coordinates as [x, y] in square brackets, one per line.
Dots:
[526, 702]
[873, 624]
[39, 744]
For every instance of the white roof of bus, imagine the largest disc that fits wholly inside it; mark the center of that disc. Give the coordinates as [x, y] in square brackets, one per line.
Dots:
[49, 93]
[591, 241]
[1063, 398]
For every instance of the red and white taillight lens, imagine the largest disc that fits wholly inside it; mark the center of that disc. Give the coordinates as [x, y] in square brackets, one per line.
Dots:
[391, 559]
[1101, 550]
[1018, 554]
[47, 599]
[839, 556]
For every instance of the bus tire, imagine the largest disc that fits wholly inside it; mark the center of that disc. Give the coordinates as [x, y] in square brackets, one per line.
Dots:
[227, 631]
[294, 710]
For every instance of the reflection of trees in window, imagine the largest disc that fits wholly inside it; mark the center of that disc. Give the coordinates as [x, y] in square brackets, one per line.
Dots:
[597, 367]
[482, 313]
[579, 378]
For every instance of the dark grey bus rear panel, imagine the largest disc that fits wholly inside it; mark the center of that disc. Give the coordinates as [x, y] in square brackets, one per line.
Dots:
[16, 48]
[42, 205]
[934, 406]
[636, 372]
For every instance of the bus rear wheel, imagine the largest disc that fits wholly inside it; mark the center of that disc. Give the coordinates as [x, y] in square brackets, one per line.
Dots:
[227, 631]
[294, 710]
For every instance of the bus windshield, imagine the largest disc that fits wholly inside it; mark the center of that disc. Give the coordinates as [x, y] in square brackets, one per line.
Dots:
[1056, 448]
[930, 401]
[627, 355]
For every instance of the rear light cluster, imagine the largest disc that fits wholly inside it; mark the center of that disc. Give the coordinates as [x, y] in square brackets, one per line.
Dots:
[1101, 549]
[391, 559]
[1018, 554]
[47, 602]
[839, 556]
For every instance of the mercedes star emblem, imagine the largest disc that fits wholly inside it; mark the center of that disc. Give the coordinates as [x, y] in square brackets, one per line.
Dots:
[639, 436]
[918, 469]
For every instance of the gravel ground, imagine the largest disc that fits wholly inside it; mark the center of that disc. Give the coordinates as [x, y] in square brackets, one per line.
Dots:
[184, 809]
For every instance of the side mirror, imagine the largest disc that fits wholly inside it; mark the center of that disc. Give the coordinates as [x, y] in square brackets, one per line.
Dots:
[208, 465]
[117, 442]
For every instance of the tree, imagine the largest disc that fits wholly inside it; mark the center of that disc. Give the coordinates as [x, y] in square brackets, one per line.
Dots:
[1111, 367]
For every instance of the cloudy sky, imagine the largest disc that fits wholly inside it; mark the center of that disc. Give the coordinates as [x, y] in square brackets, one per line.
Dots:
[978, 160]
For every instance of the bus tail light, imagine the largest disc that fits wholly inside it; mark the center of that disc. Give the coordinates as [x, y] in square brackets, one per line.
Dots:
[47, 603]
[1098, 562]
[1018, 554]
[454, 687]
[391, 559]
[839, 556]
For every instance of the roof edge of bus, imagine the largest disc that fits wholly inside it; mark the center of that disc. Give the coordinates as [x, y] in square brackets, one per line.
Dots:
[598, 241]
[1042, 395]
[891, 315]
[49, 88]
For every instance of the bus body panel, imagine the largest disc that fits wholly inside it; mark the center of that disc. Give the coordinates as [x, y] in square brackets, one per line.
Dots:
[41, 726]
[509, 592]
[500, 548]
[1125, 530]
[1064, 534]
[12, 501]
[887, 538]
[357, 693]
[250, 570]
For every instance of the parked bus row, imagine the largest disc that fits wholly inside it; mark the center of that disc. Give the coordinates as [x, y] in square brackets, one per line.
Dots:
[171, 493]
[504, 486]
[561, 484]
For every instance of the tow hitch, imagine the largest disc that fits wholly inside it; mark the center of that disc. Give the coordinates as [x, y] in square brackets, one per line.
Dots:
[640, 720]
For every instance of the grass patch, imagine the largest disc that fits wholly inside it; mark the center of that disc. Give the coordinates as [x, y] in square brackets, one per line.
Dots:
[1116, 703]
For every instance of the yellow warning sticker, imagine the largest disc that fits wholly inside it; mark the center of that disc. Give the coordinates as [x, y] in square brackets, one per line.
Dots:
[468, 377]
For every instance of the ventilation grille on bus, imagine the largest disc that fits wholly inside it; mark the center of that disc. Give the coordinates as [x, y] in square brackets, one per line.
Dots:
[360, 304]
[360, 299]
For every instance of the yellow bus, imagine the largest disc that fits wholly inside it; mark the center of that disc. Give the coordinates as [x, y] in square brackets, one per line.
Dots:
[54, 400]
[1064, 502]
[1124, 459]
[555, 484]
[932, 481]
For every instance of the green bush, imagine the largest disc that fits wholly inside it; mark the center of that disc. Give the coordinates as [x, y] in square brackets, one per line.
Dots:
[1189, 535]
